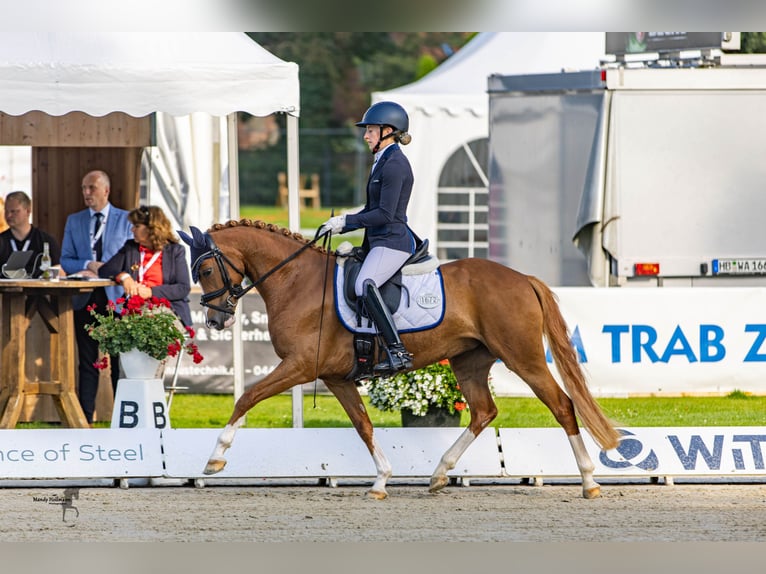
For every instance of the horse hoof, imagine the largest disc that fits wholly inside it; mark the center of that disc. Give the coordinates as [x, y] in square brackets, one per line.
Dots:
[214, 465]
[377, 494]
[437, 483]
[590, 493]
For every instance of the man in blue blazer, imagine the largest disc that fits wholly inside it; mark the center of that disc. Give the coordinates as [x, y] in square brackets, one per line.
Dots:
[91, 237]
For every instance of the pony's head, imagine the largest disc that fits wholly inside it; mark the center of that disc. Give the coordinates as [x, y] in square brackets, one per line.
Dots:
[219, 292]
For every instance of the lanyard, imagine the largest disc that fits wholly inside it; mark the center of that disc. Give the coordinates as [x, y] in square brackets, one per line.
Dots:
[99, 233]
[16, 247]
[143, 268]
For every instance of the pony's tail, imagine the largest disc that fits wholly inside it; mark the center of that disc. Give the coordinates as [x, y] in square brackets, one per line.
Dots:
[555, 330]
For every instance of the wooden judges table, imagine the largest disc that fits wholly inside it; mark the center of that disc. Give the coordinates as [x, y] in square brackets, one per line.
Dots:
[22, 299]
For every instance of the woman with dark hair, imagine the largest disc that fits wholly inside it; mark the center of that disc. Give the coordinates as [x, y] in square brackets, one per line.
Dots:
[153, 263]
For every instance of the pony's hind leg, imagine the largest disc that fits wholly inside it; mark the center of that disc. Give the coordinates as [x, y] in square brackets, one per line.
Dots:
[547, 390]
[472, 372]
[349, 398]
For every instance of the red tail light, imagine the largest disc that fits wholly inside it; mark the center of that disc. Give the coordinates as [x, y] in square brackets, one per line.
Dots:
[646, 269]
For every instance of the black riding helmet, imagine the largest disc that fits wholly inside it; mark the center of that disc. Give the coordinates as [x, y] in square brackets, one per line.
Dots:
[388, 114]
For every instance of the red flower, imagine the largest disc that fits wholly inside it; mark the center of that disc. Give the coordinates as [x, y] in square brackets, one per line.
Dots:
[102, 363]
[459, 406]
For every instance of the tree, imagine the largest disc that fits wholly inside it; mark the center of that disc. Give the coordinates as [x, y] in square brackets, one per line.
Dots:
[338, 72]
[753, 43]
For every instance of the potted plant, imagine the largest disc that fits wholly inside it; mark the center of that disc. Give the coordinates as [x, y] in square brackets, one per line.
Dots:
[148, 326]
[429, 396]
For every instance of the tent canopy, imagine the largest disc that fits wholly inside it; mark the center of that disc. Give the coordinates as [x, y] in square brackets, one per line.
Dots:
[449, 107]
[99, 72]
[185, 78]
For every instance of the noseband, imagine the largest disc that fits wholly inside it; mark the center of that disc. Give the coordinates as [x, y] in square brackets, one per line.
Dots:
[234, 290]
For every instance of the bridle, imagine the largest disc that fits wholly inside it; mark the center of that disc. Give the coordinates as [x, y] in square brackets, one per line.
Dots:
[234, 290]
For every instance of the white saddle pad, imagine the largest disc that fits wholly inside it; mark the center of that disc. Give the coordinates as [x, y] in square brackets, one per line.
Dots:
[421, 306]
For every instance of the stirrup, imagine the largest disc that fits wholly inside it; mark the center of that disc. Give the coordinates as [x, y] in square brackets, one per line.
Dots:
[398, 360]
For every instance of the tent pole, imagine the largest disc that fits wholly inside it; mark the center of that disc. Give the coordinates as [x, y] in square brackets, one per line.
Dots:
[232, 149]
[294, 221]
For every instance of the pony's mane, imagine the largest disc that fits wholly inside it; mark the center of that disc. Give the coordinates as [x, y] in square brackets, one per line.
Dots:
[268, 227]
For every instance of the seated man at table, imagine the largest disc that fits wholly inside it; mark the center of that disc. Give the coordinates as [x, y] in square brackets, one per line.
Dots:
[21, 235]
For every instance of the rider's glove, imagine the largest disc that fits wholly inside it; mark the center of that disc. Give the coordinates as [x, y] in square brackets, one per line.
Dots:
[334, 225]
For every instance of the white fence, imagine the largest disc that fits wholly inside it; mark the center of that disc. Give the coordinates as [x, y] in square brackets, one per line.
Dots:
[339, 453]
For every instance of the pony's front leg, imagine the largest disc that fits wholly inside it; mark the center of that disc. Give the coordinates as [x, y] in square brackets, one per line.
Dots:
[449, 459]
[216, 462]
[590, 488]
[348, 396]
[383, 473]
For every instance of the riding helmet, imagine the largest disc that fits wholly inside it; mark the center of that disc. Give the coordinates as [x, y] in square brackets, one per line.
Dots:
[386, 114]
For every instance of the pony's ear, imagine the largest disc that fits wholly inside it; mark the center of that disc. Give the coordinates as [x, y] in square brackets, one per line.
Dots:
[200, 244]
[185, 237]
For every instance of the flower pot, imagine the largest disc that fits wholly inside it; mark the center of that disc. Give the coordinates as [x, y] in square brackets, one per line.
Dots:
[138, 365]
[434, 417]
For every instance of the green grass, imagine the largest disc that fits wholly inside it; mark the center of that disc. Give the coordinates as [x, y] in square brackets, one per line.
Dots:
[310, 218]
[310, 221]
[212, 411]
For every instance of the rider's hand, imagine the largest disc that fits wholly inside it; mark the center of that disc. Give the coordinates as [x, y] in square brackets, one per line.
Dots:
[334, 225]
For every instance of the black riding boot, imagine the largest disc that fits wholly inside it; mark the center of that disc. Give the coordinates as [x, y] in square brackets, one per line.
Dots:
[398, 357]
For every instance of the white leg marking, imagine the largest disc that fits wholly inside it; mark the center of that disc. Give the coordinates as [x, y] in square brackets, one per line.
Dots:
[217, 461]
[590, 487]
[449, 460]
[383, 468]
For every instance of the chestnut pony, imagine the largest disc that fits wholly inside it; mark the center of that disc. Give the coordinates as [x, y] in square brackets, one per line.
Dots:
[491, 312]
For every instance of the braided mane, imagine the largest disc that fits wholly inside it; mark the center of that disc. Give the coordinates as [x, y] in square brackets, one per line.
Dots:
[268, 227]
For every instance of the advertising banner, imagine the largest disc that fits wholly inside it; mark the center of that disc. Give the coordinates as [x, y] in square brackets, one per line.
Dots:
[80, 453]
[643, 452]
[667, 341]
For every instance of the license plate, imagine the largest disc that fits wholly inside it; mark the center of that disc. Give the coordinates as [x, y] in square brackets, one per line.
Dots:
[747, 266]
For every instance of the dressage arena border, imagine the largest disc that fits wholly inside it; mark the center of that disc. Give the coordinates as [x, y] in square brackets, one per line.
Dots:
[177, 456]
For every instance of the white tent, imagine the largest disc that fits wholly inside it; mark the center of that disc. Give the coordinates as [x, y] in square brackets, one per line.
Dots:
[197, 78]
[100, 71]
[448, 107]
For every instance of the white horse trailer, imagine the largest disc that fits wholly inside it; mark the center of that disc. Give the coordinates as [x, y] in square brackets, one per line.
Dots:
[648, 176]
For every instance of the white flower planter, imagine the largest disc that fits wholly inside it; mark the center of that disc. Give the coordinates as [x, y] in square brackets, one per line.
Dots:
[138, 365]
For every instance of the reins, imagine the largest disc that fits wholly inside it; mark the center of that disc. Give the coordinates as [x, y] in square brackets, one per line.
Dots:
[326, 244]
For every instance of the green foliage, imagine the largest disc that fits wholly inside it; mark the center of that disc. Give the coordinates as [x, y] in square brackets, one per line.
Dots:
[338, 73]
[753, 43]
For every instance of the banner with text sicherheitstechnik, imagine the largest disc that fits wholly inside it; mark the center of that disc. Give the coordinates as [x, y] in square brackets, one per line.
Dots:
[216, 373]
